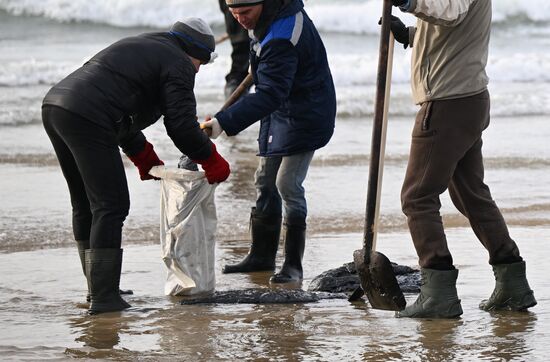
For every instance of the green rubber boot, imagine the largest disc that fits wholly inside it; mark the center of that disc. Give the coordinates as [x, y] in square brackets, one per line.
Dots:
[512, 291]
[438, 297]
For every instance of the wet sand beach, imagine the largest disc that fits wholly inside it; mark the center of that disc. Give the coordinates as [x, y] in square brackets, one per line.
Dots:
[43, 315]
[42, 289]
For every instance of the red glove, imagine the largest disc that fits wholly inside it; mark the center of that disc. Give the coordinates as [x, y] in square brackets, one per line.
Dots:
[215, 167]
[145, 160]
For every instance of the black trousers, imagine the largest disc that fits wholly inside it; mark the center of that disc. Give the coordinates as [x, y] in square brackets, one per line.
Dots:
[446, 154]
[91, 163]
[240, 42]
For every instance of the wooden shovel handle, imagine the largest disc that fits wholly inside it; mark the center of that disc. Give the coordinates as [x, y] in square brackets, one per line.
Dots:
[222, 38]
[238, 92]
[378, 133]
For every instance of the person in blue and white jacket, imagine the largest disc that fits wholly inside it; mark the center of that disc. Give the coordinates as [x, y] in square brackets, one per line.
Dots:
[295, 100]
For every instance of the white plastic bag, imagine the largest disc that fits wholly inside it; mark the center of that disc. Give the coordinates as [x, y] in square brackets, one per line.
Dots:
[187, 228]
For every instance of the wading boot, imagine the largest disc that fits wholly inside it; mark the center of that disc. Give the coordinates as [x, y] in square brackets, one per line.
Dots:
[438, 297]
[265, 233]
[295, 242]
[82, 246]
[512, 291]
[230, 87]
[103, 268]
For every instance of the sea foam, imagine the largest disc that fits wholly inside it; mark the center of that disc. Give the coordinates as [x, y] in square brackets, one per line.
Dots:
[350, 16]
[511, 68]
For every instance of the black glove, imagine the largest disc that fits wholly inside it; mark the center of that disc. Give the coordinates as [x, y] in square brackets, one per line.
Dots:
[399, 30]
[398, 2]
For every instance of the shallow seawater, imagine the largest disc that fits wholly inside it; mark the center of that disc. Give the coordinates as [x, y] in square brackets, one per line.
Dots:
[42, 311]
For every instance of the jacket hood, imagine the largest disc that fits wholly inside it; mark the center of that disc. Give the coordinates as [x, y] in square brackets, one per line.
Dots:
[273, 10]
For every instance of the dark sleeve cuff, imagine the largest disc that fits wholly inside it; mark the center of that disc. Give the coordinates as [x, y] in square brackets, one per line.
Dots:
[133, 143]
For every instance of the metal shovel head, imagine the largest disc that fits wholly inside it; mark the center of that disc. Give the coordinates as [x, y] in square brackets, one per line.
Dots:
[378, 281]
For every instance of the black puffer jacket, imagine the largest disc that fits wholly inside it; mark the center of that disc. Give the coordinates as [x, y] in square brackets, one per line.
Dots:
[129, 85]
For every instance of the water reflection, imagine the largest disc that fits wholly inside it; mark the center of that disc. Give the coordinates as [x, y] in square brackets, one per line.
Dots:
[290, 332]
[439, 339]
[329, 330]
[232, 332]
[99, 332]
[510, 334]
[266, 332]
[241, 152]
[114, 335]
[260, 279]
[184, 331]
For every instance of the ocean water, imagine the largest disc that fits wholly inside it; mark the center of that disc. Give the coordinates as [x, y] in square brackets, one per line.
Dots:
[42, 41]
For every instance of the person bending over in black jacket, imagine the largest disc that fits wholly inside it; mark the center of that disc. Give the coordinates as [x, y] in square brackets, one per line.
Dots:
[104, 105]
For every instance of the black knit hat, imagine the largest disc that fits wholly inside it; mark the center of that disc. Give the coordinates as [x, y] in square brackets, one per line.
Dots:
[197, 38]
[240, 3]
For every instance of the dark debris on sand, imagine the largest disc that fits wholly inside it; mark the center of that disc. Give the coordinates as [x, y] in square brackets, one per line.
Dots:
[262, 296]
[345, 279]
[336, 283]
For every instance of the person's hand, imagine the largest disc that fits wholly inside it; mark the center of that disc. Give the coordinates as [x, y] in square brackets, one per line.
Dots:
[145, 160]
[399, 30]
[399, 2]
[212, 127]
[215, 167]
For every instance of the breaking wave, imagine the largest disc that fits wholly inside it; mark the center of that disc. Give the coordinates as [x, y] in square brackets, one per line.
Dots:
[514, 68]
[353, 16]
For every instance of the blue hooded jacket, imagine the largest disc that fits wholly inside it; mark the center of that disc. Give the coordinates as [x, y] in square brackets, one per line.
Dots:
[294, 93]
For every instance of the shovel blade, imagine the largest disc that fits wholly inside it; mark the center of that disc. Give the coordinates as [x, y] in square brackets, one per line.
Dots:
[378, 281]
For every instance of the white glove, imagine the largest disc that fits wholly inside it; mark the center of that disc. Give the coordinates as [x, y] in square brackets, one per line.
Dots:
[212, 128]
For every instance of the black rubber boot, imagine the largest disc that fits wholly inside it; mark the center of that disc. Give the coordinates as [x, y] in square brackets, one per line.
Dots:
[103, 268]
[512, 291]
[295, 242]
[82, 246]
[265, 233]
[230, 87]
[239, 62]
[438, 296]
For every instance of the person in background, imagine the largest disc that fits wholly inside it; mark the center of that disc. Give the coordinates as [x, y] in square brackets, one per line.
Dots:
[450, 45]
[105, 104]
[238, 36]
[295, 100]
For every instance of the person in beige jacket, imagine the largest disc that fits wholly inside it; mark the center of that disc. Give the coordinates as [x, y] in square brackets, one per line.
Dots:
[450, 45]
